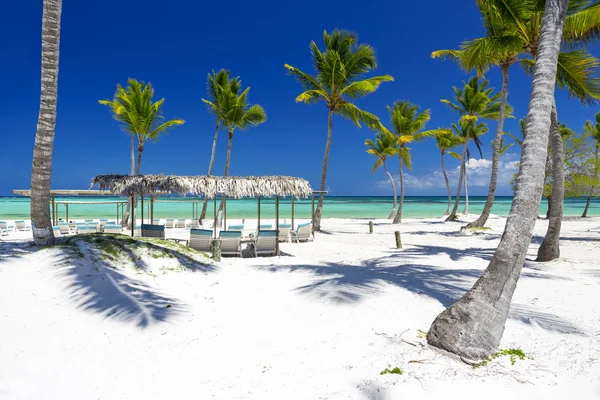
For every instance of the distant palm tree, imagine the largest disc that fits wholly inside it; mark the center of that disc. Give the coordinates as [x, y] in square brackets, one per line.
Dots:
[594, 132]
[469, 132]
[407, 125]
[338, 82]
[218, 85]
[446, 140]
[472, 102]
[384, 147]
[41, 169]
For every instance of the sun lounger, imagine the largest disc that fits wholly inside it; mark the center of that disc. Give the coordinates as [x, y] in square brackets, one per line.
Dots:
[153, 231]
[170, 223]
[194, 224]
[230, 242]
[181, 223]
[103, 221]
[64, 228]
[84, 229]
[200, 239]
[284, 232]
[88, 221]
[57, 232]
[21, 226]
[266, 243]
[4, 228]
[235, 228]
[111, 228]
[302, 233]
[156, 222]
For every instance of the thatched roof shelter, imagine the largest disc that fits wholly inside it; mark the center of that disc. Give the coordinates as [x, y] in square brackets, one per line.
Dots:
[209, 186]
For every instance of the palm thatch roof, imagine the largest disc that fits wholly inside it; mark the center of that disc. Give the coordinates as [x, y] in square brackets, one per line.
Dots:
[232, 186]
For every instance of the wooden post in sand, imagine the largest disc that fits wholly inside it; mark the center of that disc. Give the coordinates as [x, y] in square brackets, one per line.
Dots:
[370, 226]
[398, 240]
[216, 249]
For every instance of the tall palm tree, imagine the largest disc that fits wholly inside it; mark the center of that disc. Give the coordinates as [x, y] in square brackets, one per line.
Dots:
[384, 147]
[473, 326]
[472, 102]
[339, 80]
[218, 85]
[238, 114]
[41, 169]
[407, 125]
[446, 140]
[467, 132]
[594, 132]
[500, 47]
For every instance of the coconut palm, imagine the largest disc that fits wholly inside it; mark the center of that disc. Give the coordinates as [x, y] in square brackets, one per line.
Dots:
[384, 147]
[466, 132]
[407, 126]
[340, 79]
[446, 140]
[218, 85]
[140, 116]
[473, 326]
[500, 47]
[473, 102]
[594, 132]
[41, 169]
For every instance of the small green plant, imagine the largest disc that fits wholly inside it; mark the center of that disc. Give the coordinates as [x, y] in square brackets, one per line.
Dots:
[512, 353]
[480, 229]
[394, 370]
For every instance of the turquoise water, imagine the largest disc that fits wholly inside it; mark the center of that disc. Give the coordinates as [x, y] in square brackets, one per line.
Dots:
[335, 207]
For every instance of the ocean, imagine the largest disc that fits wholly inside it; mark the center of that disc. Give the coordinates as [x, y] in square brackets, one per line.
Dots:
[13, 207]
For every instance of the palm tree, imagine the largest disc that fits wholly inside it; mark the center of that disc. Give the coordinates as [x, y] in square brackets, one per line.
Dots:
[238, 114]
[41, 169]
[473, 326]
[407, 125]
[383, 147]
[472, 102]
[466, 132]
[500, 47]
[445, 140]
[339, 81]
[218, 85]
[594, 132]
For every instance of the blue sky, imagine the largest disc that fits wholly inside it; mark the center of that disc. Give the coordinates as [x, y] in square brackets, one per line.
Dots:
[175, 44]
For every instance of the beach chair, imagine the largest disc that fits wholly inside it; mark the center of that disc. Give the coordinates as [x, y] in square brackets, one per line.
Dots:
[138, 231]
[194, 224]
[170, 223]
[181, 223]
[5, 228]
[284, 232]
[200, 239]
[153, 231]
[230, 243]
[64, 228]
[21, 226]
[156, 222]
[57, 231]
[84, 229]
[235, 228]
[266, 243]
[94, 225]
[103, 221]
[88, 221]
[112, 228]
[302, 233]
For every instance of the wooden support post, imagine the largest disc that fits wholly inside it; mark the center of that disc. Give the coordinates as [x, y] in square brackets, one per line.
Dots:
[312, 227]
[216, 250]
[53, 212]
[292, 212]
[258, 224]
[67, 211]
[370, 226]
[224, 211]
[142, 205]
[276, 225]
[215, 215]
[132, 216]
[398, 240]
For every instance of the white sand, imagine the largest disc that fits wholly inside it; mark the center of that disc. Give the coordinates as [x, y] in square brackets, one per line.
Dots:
[319, 323]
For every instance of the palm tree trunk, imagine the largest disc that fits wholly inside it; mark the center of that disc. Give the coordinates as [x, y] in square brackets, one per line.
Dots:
[125, 219]
[550, 250]
[41, 169]
[466, 209]
[587, 206]
[447, 186]
[393, 213]
[319, 210]
[473, 326]
[487, 208]
[210, 168]
[452, 215]
[592, 190]
[139, 157]
[398, 217]
[226, 173]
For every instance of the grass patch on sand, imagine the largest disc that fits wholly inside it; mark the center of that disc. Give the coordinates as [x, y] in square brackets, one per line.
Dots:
[479, 229]
[512, 353]
[394, 370]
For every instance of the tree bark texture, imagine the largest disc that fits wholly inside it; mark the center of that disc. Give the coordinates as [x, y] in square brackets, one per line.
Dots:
[466, 209]
[210, 168]
[226, 173]
[447, 187]
[319, 210]
[393, 213]
[398, 217]
[452, 215]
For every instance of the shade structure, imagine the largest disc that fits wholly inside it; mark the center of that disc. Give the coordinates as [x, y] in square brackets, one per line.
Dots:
[209, 186]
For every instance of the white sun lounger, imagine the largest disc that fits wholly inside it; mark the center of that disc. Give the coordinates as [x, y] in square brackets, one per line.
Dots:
[200, 239]
[230, 243]
[170, 223]
[181, 223]
[21, 226]
[284, 232]
[266, 243]
[110, 228]
[302, 233]
[57, 232]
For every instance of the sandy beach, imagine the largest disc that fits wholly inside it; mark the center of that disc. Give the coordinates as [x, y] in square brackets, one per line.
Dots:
[319, 322]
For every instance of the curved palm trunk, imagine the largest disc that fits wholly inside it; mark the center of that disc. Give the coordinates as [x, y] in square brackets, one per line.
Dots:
[452, 215]
[319, 210]
[550, 250]
[210, 168]
[587, 206]
[41, 169]
[447, 186]
[473, 326]
[487, 208]
[226, 173]
[466, 209]
[589, 199]
[393, 213]
[125, 219]
[398, 217]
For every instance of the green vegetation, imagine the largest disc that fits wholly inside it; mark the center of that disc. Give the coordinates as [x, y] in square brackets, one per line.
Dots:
[512, 353]
[383, 147]
[394, 370]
